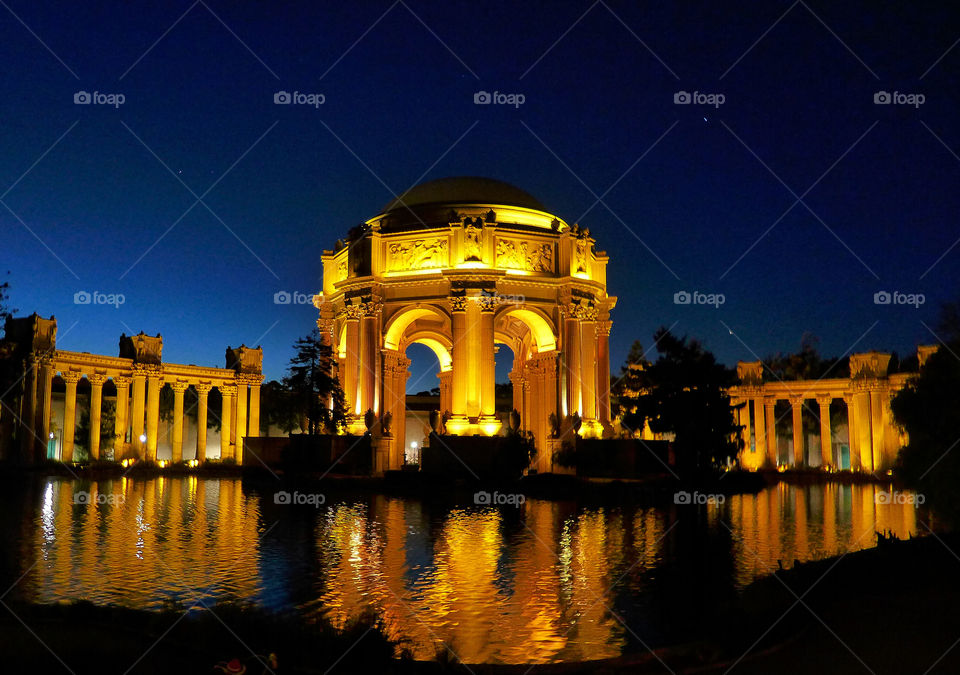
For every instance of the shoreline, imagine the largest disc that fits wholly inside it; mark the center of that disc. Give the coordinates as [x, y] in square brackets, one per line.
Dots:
[841, 618]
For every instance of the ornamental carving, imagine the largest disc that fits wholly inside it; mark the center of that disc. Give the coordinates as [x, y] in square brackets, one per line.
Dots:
[141, 348]
[582, 309]
[471, 240]
[580, 256]
[245, 359]
[458, 303]
[418, 255]
[523, 255]
[869, 365]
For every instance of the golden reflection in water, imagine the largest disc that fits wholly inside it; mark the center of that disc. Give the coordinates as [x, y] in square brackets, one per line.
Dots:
[787, 523]
[532, 588]
[142, 543]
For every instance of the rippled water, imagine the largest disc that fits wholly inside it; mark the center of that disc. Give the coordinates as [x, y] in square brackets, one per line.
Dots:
[546, 581]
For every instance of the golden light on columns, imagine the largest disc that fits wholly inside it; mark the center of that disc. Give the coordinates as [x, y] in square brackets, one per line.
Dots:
[459, 264]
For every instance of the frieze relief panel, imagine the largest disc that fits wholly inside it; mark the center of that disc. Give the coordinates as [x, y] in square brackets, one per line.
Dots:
[531, 256]
[420, 254]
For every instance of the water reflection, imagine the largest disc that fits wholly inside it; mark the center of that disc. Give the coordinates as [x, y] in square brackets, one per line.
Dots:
[549, 581]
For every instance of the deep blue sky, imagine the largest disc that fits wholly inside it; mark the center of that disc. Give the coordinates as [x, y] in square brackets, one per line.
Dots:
[596, 97]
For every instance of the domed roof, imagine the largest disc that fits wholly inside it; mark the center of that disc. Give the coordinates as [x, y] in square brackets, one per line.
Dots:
[464, 190]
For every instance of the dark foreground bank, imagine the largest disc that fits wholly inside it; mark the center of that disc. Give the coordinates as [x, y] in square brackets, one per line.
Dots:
[891, 609]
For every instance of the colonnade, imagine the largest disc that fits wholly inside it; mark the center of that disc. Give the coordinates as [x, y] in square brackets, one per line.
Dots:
[873, 438]
[556, 373]
[138, 376]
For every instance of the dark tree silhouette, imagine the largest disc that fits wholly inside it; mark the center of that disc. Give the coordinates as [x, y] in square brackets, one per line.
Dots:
[684, 392]
[927, 409]
[315, 392]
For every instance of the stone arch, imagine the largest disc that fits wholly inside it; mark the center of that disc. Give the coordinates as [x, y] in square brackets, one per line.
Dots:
[397, 324]
[537, 322]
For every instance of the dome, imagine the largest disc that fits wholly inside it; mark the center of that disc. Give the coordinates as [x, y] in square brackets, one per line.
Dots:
[464, 190]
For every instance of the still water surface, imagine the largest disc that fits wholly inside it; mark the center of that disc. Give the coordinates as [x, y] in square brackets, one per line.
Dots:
[546, 581]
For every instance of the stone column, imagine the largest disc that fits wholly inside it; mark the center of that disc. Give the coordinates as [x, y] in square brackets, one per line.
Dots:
[153, 415]
[488, 372]
[588, 373]
[877, 396]
[759, 427]
[253, 416]
[120, 420]
[861, 403]
[227, 392]
[446, 383]
[96, 403]
[46, 408]
[571, 356]
[770, 417]
[351, 364]
[177, 441]
[603, 373]
[241, 418]
[28, 411]
[745, 421]
[203, 390]
[826, 440]
[369, 346]
[852, 437]
[796, 407]
[69, 414]
[460, 355]
[139, 398]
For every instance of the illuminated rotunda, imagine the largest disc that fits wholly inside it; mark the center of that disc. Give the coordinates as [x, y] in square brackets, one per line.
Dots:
[460, 265]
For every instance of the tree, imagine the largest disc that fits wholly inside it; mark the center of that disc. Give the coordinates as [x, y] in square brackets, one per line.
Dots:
[684, 392]
[806, 364]
[276, 409]
[927, 409]
[5, 310]
[629, 386]
[314, 391]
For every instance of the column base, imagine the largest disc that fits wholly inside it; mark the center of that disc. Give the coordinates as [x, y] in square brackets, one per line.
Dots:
[473, 426]
[591, 429]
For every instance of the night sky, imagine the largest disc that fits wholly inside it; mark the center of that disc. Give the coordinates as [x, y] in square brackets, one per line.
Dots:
[694, 197]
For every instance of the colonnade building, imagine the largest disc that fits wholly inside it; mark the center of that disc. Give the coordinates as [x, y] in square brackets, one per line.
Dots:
[859, 435]
[461, 265]
[132, 384]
